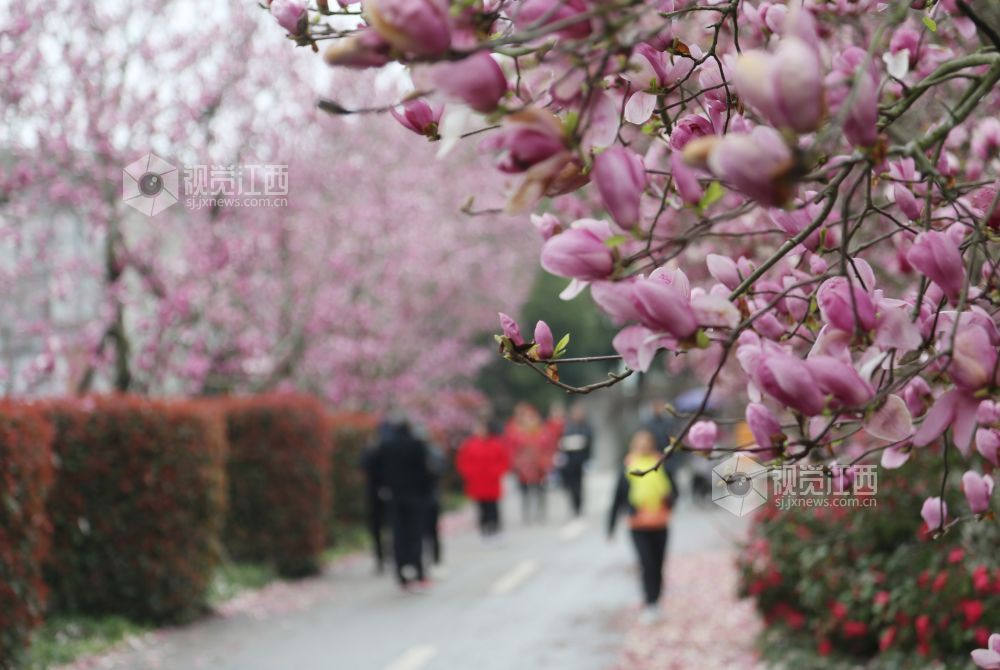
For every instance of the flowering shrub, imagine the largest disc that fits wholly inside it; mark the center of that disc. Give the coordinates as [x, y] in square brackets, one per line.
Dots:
[25, 478]
[279, 487]
[137, 506]
[351, 434]
[870, 581]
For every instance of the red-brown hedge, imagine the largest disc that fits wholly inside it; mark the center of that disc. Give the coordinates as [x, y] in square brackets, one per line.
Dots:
[25, 478]
[137, 507]
[279, 487]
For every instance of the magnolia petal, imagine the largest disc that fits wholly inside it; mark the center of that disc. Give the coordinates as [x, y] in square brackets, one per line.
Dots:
[714, 311]
[603, 123]
[640, 107]
[895, 457]
[575, 288]
[892, 421]
[965, 422]
[454, 123]
[937, 420]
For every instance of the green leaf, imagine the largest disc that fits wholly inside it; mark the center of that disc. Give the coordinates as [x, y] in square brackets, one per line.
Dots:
[930, 23]
[569, 124]
[712, 194]
[615, 240]
[561, 346]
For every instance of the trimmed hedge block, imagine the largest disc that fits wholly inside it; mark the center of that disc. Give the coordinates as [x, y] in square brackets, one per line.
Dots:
[279, 481]
[25, 532]
[137, 508]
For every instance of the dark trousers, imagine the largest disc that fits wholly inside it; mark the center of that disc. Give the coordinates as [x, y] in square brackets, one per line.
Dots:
[651, 546]
[408, 524]
[572, 479]
[529, 493]
[376, 521]
[489, 517]
[431, 533]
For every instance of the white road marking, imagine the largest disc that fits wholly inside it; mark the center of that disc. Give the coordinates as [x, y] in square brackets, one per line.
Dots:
[414, 658]
[514, 578]
[573, 529]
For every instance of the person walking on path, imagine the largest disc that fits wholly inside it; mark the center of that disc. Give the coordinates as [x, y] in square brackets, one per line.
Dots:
[663, 426]
[575, 447]
[375, 507]
[649, 500]
[532, 445]
[437, 464]
[482, 461]
[403, 464]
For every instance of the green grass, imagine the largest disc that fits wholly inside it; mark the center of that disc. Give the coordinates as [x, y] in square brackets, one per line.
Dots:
[62, 639]
[348, 540]
[232, 579]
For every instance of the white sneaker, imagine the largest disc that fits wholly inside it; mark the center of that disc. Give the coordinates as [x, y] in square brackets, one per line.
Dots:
[650, 614]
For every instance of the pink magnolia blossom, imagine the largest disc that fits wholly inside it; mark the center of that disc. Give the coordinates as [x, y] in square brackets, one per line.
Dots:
[365, 49]
[854, 82]
[420, 27]
[638, 345]
[703, 435]
[531, 13]
[988, 445]
[419, 117]
[846, 305]
[955, 409]
[988, 412]
[616, 299]
[525, 140]
[988, 658]
[580, 252]
[756, 164]
[544, 340]
[935, 254]
[904, 172]
[621, 179]
[685, 179]
[478, 81]
[790, 381]
[978, 489]
[934, 513]
[724, 270]
[763, 424]
[664, 303]
[785, 87]
[289, 14]
[511, 329]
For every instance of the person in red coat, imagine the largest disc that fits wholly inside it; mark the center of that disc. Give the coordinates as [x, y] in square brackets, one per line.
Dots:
[482, 460]
[533, 446]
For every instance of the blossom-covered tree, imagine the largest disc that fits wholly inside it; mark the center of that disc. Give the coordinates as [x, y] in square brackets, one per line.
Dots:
[798, 198]
[367, 285]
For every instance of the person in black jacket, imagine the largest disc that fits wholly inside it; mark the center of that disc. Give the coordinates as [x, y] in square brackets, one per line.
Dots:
[402, 462]
[649, 500]
[376, 506]
[575, 447]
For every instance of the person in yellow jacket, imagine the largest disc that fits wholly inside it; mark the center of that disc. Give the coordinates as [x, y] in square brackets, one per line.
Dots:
[648, 500]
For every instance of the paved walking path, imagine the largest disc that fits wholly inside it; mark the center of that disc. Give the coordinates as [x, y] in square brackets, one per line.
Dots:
[553, 596]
